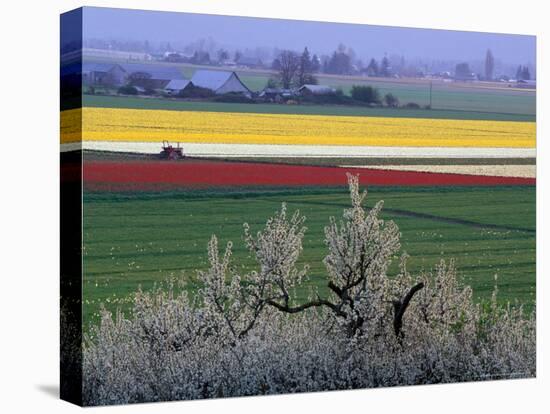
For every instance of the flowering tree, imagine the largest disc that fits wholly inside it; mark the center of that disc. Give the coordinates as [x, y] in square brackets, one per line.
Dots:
[360, 249]
[245, 334]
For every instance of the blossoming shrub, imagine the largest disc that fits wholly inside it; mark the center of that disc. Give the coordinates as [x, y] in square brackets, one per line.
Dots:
[245, 334]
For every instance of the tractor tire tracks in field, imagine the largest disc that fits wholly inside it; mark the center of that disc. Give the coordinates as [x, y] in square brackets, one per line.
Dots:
[433, 217]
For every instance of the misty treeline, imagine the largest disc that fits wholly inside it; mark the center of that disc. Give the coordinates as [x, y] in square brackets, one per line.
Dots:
[463, 70]
[342, 61]
[295, 69]
[247, 332]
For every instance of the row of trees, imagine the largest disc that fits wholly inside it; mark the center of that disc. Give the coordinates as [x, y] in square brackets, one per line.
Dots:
[523, 73]
[297, 70]
[384, 69]
[341, 62]
[294, 69]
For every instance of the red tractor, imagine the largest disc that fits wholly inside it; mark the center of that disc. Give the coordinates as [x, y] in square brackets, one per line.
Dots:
[170, 152]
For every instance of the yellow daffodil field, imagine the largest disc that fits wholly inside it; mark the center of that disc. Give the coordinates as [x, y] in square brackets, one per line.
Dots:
[142, 125]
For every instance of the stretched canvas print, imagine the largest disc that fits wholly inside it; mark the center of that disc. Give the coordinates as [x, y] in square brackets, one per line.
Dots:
[260, 206]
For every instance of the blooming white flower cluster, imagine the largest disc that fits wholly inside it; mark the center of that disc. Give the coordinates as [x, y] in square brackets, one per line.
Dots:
[245, 334]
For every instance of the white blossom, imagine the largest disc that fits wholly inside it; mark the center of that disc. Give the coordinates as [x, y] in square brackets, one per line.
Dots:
[245, 334]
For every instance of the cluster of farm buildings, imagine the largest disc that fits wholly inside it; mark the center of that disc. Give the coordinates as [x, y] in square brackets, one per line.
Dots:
[170, 80]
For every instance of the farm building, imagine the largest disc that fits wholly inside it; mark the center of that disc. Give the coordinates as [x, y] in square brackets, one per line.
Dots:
[147, 76]
[150, 76]
[176, 86]
[176, 57]
[219, 82]
[307, 90]
[471, 76]
[228, 62]
[104, 74]
[250, 62]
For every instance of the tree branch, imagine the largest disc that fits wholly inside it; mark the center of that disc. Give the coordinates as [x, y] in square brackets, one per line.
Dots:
[315, 303]
[400, 306]
[335, 289]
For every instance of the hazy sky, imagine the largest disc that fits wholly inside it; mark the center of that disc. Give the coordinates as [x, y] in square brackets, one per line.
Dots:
[322, 38]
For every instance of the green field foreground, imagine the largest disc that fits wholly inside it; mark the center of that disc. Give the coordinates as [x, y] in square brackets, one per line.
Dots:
[144, 238]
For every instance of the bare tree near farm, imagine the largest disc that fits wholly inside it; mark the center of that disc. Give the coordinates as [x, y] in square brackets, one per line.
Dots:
[287, 64]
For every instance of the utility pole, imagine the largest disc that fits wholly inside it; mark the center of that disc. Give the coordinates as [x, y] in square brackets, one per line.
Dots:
[430, 94]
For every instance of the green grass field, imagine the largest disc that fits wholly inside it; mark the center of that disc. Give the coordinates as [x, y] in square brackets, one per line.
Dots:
[104, 101]
[449, 96]
[145, 238]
